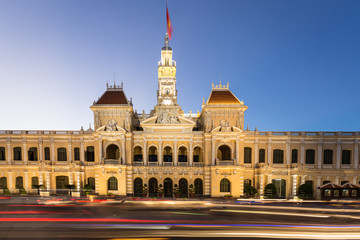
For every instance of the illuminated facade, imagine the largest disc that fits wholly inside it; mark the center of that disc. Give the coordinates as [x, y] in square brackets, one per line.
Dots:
[210, 150]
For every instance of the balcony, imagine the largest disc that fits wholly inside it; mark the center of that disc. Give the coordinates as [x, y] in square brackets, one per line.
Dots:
[182, 164]
[112, 161]
[137, 163]
[224, 162]
[198, 164]
[167, 164]
[152, 163]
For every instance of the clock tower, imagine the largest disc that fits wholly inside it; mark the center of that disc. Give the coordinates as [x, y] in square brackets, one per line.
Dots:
[167, 93]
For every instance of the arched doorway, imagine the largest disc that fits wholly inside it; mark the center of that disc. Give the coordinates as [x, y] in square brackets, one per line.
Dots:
[112, 152]
[91, 182]
[183, 187]
[225, 185]
[167, 154]
[280, 185]
[153, 184]
[138, 186]
[197, 155]
[61, 182]
[168, 187]
[182, 154]
[224, 153]
[198, 187]
[153, 154]
[138, 155]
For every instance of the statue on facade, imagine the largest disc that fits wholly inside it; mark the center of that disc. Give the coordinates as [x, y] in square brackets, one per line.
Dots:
[225, 126]
[208, 123]
[111, 125]
[127, 123]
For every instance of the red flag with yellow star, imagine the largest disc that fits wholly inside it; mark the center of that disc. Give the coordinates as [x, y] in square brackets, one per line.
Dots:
[168, 23]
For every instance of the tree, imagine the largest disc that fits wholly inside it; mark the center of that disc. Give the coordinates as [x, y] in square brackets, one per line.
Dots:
[21, 189]
[38, 186]
[250, 191]
[145, 190]
[270, 191]
[88, 189]
[160, 190]
[176, 190]
[191, 190]
[70, 187]
[305, 191]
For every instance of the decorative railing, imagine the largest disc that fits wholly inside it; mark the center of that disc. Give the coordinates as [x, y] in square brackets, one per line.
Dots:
[112, 161]
[198, 164]
[182, 164]
[224, 162]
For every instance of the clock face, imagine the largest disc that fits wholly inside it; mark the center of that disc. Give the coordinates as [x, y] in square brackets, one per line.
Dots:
[167, 90]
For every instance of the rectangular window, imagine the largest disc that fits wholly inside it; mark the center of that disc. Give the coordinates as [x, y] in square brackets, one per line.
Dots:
[310, 156]
[294, 156]
[328, 156]
[261, 155]
[278, 156]
[247, 155]
[76, 154]
[90, 154]
[346, 156]
[62, 154]
[34, 182]
[327, 192]
[47, 153]
[2, 153]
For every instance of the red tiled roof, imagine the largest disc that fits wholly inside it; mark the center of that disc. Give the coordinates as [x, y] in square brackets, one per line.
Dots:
[222, 97]
[330, 185]
[113, 97]
[350, 185]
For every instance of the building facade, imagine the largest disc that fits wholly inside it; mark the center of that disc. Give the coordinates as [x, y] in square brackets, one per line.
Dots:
[210, 150]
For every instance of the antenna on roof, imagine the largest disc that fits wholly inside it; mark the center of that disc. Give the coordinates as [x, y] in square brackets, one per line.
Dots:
[122, 85]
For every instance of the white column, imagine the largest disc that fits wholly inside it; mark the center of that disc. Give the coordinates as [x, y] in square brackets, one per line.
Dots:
[294, 185]
[41, 180]
[288, 150]
[356, 154]
[261, 185]
[71, 182]
[11, 187]
[26, 176]
[25, 156]
[123, 151]
[213, 157]
[8, 151]
[302, 154]
[319, 163]
[78, 181]
[160, 154]
[191, 153]
[100, 151]
[41, 151]
[269, 154]
[256, 149]
[48, 181]
[175, 153]
[82, 151]
[70, 152]
[241, 185]
[53, 158]
[237, 150]
[338, 155]
[145, 156]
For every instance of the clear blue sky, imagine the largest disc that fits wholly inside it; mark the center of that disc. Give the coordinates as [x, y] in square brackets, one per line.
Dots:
[296, 64]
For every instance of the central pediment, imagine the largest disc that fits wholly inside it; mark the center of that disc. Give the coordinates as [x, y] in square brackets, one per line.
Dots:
[168, 122]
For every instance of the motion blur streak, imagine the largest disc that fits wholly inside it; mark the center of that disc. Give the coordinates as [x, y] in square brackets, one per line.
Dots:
[31, 212]
[273, 213]
[139, 239]
[295, 235]
[91, 220]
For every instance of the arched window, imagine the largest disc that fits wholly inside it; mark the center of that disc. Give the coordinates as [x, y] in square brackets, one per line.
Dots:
[138, 155]
[76, 154]
[310, 156]
[261, 155]
[328, 156]
[153, 186]
[197, 155]
[17, 154]
[152, 154]
[198, 187]
[346, 157]
[19, 183]
[182, 154]
[32, 154]
[90, 154]
[278, 156]
[2, 154]
[247, 155]
[294, 156]
[224, 185]
[47, 153]
[61, 154]
[247, 182]
[112, 183]
[224, 153]
[34, 182]
[3, 183]
[112, 152]
[183, 187]
[138, 187]
[91, 182]
[167, 154]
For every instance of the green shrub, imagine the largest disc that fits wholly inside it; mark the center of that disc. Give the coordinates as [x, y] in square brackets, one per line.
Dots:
[270, 191]
[305, 191]
[250, 191]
